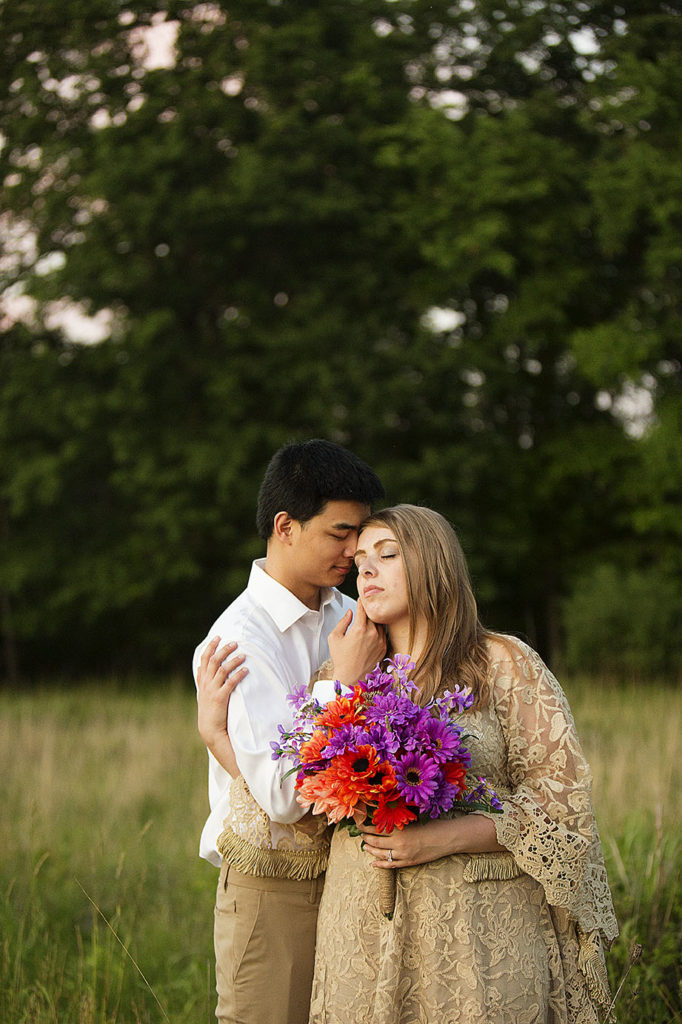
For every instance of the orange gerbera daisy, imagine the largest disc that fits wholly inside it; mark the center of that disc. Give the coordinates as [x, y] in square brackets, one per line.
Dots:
[312, 749]
[343, 711]
[320, 791]
[360, 775]
[455, 774]
[392, 812]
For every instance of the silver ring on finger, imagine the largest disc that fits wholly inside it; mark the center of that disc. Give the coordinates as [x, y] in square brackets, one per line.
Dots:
[390, 856]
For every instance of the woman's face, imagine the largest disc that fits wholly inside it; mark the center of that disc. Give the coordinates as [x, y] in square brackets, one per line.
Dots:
[381, 577]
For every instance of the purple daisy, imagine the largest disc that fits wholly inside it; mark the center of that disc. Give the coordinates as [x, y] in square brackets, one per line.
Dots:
[417, 779]
[384, 739]
[398, 710]
[442, 739]
[443, 799]
[345, 737]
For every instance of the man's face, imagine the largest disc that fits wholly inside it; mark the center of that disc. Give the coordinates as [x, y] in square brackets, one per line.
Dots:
[323, 547]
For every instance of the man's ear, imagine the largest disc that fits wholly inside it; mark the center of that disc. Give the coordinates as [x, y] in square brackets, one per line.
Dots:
[284, 528]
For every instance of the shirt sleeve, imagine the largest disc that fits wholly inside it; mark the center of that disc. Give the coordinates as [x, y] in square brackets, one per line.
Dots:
[258, 706]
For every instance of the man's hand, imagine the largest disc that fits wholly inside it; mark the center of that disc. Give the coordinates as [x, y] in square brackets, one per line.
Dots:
[356, 644]
[216, 679]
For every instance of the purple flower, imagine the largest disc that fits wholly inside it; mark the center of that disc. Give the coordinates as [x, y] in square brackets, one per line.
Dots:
[441, 739]
[377, 681]
[402, 663]
[421, 718]
[455, 702]
[443, 799]
[484, 794]
[395, 681]
[393, 708]
[345, 737]
[299, 696]
[417, 779]
[384, 739]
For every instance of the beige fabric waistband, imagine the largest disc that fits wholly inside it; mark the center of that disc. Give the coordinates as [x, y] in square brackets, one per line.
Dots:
[270, 884]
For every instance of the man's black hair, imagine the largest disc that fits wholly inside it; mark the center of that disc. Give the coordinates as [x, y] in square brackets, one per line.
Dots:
[302, 477]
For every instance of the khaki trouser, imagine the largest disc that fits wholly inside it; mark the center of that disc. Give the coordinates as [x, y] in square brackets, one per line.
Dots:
[265, 948]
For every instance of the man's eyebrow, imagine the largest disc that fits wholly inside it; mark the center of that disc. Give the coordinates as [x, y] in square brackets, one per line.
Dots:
[344, 526]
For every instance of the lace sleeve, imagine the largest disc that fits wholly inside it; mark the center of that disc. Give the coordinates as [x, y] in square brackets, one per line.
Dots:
[548, 823]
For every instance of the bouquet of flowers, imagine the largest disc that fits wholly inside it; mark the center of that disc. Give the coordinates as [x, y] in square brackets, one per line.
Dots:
[376, 754]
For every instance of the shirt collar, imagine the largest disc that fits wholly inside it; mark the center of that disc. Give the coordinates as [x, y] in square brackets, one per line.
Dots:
[284, 607]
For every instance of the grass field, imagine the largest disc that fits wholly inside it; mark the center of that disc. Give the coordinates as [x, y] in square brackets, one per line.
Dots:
[103, 798]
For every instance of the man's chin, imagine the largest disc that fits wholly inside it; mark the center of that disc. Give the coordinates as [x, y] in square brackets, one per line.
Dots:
[337, 576]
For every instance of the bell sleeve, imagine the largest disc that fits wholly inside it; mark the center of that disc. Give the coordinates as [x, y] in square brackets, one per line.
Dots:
[548, 823]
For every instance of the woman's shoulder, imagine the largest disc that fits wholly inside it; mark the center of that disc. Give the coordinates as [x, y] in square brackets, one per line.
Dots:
[505, 649]
[513, 663]
[514, 667]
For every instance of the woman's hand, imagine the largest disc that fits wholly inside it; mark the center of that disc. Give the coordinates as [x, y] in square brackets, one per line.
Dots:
[356, 644]
[420, 843]
[217, 676]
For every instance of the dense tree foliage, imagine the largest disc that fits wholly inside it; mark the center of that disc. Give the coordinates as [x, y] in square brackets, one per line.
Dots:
[445, 234]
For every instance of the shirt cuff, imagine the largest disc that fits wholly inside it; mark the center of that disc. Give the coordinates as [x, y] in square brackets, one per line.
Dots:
[323, 690]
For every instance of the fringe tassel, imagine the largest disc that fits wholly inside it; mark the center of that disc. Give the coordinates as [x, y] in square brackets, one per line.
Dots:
[491, 867]
[250, 860]
[591, 966]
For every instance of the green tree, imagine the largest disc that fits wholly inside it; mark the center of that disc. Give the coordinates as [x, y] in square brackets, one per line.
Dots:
[624, 622]
[268, 218]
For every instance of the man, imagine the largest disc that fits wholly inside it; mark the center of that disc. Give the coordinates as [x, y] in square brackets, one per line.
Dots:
[313, 498]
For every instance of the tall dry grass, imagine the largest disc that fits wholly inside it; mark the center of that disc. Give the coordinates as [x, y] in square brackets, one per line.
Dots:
[103, 793]
[632, 735]
[103, 798]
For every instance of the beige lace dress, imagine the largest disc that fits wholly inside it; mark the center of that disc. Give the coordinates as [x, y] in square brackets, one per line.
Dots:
[510, 938]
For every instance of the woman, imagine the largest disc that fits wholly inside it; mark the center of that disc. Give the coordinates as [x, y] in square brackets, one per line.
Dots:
[499, 918]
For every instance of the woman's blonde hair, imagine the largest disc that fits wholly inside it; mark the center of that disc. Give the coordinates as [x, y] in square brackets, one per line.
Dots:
[440, 594]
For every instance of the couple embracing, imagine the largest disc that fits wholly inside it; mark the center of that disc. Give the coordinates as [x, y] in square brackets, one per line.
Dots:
[499, 919]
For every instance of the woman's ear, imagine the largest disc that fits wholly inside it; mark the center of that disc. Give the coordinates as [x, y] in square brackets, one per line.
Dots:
[283, 528]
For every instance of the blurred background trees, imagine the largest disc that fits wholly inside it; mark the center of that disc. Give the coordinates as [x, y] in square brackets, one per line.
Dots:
[447, 235]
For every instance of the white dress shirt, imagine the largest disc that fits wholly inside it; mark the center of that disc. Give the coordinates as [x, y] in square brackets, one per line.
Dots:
[285, 642]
